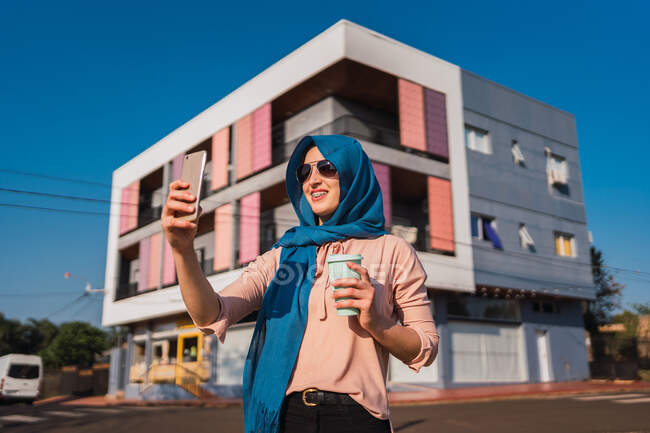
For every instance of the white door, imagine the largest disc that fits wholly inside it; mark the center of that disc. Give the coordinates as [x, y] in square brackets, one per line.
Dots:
[400, 372]
[542, 352]
[232, 354]
[486, 352]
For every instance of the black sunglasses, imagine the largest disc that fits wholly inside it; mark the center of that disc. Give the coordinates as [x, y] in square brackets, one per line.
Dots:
[324, 167]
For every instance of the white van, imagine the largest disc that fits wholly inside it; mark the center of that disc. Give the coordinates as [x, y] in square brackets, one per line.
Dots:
[20, 377]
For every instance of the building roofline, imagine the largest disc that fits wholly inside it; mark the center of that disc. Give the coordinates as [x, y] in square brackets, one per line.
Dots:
[523, 95]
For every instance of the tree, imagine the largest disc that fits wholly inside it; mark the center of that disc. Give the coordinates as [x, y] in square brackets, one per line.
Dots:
[641, 309]
[8, 329]
[608, 293]
[76, 343]
[630, 320]
[116, 335]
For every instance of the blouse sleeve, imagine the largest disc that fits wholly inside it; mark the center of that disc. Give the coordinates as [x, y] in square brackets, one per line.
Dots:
[244, 295]
[412, 303]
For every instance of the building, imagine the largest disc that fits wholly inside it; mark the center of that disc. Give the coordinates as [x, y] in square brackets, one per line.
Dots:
[483, 181]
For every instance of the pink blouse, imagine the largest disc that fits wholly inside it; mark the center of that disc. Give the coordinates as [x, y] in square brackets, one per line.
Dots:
[336, 354]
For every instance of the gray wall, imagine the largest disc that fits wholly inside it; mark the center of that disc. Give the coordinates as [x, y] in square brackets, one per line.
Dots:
[513, 194]
[566, 341]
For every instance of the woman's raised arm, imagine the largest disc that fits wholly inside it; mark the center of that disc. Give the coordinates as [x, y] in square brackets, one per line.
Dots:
[199, 297]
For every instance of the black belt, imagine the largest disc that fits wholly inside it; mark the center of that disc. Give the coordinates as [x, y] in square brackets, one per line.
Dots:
[314, 397]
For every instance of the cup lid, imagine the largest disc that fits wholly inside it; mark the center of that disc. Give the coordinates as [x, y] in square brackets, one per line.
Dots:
[342, 257]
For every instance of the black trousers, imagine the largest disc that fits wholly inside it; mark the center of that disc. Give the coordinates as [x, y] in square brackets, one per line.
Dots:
[328, 418]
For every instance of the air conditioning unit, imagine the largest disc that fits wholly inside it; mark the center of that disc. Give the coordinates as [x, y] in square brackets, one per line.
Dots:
[409, 234]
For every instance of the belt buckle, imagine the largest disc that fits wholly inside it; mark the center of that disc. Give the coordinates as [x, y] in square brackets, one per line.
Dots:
[304, 395]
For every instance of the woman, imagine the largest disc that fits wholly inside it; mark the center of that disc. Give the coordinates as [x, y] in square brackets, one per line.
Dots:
[307, 368]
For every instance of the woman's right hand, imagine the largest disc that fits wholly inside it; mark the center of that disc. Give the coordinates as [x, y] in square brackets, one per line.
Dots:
[179, 233]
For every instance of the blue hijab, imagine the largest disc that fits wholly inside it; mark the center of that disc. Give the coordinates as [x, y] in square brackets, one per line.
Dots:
[282, 318]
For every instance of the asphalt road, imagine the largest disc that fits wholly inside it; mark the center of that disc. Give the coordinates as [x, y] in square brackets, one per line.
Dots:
[611, 413]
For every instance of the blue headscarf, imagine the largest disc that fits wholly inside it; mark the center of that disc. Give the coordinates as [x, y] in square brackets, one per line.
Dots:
[282, 318]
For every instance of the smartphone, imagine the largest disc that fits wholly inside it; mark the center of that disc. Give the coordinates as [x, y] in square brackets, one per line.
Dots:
[192, 173]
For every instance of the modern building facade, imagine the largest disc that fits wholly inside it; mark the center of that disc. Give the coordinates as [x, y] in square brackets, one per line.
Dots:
[483, 181]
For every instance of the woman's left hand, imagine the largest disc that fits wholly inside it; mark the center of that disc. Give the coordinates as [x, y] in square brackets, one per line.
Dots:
[362, 295]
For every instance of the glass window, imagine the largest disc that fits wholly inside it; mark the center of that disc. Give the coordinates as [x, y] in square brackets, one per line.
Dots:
[23, 371]
[475, 226]
[477, 139]
[545, 307]
[484, 308]
[564, 245]
[190, 349]
[517, 154]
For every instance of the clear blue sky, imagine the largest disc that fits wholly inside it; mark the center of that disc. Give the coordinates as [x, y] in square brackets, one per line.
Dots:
[84, 88]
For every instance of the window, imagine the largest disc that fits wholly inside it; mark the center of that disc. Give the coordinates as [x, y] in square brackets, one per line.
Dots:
[557, 170]
[477, 139]
[23, 371]
[484, 228]
[526, 239]
[517, 154]
[564, 245]
[483, 308]
[545, 307]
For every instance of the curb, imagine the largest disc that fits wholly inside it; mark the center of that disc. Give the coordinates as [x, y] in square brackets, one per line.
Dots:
[54, 399]
[514, 396]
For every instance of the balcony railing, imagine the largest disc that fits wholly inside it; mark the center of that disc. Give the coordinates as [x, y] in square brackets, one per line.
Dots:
[126, 290]
[345, 125]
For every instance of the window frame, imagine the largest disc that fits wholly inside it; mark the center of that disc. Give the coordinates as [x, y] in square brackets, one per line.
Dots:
[480, 218]
[523, 232]
[518, 157]
[563, 236]
[470, 139]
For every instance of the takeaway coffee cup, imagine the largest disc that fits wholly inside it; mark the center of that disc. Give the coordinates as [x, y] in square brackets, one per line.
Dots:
[339, 269]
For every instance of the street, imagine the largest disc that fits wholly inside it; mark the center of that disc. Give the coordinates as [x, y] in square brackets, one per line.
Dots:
[612, 413]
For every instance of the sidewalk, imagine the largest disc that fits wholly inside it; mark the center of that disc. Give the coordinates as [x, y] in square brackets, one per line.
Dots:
[418, 394]
[411, 394]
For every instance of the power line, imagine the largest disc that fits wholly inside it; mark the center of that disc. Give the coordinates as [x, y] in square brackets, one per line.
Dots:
[69, 304]
[38, 294]
[67, 197]
[50, 209]
[553, 260]
[237, 214]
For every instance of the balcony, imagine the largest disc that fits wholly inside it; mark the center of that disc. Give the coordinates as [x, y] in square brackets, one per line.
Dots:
[126, 290]
[348, 124]
[148, 215]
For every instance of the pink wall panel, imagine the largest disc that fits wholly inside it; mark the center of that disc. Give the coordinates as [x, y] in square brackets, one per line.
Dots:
[177, 165]
[155, 245]
[441, 223]
[436, 122]
[129, 207]
[382, 172]
[262, 137]
[125, 209]
[244, 144]
[133, 209]
[249, 228]
[169, 268]
[220, 148]
[223, 237]
[143, 264]
[411, 115]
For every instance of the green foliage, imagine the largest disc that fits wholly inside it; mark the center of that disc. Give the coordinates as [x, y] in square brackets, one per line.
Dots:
[28, 338]
[630, 320]
[641, 309]
[608, 294]
[73, 343]
[76, 343]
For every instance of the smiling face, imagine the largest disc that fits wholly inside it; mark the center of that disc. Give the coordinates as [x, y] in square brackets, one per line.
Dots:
[322, 193]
